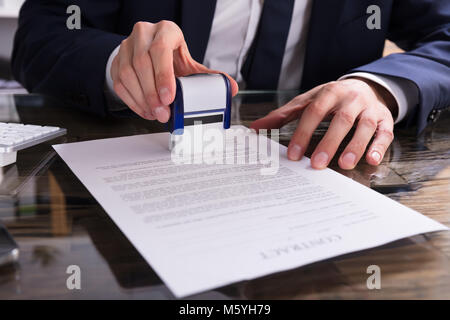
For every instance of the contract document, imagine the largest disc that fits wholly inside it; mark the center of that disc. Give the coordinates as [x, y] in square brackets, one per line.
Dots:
[202, 226]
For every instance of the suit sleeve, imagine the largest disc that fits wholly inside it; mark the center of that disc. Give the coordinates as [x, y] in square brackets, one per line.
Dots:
[422, 28]
[50, 59]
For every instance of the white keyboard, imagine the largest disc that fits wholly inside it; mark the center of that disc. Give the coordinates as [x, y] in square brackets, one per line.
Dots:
[18, 136]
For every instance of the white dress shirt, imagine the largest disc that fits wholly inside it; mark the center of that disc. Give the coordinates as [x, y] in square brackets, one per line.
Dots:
[233, 29]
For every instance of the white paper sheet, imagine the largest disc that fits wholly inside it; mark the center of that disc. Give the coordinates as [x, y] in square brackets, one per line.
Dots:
[205, 226]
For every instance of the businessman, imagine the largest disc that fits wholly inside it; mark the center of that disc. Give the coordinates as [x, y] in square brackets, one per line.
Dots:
[133, 50]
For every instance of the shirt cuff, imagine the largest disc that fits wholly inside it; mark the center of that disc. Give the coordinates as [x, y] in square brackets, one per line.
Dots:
[109, 81]
[404, 91]
[113, 102]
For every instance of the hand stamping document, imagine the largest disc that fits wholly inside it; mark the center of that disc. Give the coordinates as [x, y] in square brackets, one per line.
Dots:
[202, 226]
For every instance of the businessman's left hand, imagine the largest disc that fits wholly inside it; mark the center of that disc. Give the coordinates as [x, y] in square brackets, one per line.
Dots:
[349, 101]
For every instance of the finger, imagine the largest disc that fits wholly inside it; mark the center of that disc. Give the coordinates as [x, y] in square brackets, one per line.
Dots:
[367, 125]
[342, 122]
[146, 79]
[383, 138]
[127, 98]
[161, 112]
[311, 117]
[128, 77]
[142, 64]
[287, 113]
[143, 67]
[167, 39]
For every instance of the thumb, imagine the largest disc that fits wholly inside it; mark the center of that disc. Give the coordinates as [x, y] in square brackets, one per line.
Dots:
[233, 83]
[279, 117]
[271, 121]
[186, 65]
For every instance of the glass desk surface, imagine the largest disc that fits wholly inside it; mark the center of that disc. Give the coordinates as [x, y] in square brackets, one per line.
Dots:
[57, 223]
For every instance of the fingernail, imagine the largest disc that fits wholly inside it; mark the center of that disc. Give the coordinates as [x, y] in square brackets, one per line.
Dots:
[294, 152]
[375, 155]
[164, 96]
[349, 159]
[161, 114]
[321, 160]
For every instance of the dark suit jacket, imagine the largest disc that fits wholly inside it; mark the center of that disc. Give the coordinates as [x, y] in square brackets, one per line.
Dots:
[70, 64]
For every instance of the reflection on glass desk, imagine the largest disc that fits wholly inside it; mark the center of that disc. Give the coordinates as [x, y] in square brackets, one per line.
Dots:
[57, 223]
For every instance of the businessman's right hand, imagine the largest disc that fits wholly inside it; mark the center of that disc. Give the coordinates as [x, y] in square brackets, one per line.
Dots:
[145, 68]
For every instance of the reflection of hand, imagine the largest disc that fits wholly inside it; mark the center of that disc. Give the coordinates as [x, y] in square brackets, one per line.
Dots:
[346, 101]
[145, 68]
